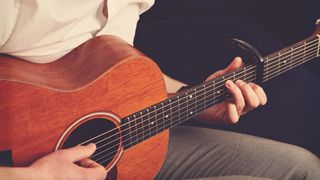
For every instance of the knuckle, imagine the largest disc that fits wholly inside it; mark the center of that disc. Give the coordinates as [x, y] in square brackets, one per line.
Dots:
[256, 87]
[60, 153]
[87, 175]
[241, 105]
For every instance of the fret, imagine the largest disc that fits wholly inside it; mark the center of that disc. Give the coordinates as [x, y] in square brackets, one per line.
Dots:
[152, 121]
[192, 105]
[134, 131]
[210, 93]
[171, 114]
[146, 123]
[126, 133]
[266, 67]
[183, 107]
[233, 76]
[160, 117]
[239, 75]
[139, 124]
[205, 96]
[291, 58]
[244, 72]
[166, 114]
[175, 110]
[200, 98]
[318, 50]
[131, 131]
[304, 51]
[283, 63]
[279, 63]
[187, 106]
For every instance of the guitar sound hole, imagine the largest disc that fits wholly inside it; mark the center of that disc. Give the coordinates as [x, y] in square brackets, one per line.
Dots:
[6, 158]
[104, 133]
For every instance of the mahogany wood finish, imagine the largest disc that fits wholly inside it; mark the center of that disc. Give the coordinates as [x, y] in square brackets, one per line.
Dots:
[40, 101]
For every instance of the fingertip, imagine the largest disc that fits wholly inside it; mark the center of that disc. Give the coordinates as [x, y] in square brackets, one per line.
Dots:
[91, 146]
[229, 84]
[236, 63]
[238, 60]
[233, 116]
[239, 82]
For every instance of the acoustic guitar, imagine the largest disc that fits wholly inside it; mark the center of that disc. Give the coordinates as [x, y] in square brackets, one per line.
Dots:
[108, 93]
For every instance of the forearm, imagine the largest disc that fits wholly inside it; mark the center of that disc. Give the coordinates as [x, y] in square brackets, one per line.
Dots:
[172, 85]
[7, 173]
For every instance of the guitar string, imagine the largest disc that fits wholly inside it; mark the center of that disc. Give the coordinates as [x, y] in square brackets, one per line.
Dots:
[270, 59]
[288, 69]
[193, 105]
[181, 104]
[288, 60]
[315, 41]
[218, 85]
[275, 61]
[150, 133]
[280, 67]
[277, 68]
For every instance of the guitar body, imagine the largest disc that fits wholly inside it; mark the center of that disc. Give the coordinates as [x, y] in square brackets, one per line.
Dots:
[41, 104]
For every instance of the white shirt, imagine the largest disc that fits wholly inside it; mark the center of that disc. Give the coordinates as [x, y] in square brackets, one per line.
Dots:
[42, 31]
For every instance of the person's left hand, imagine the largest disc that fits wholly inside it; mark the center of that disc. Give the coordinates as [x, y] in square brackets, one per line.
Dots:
[245, 97]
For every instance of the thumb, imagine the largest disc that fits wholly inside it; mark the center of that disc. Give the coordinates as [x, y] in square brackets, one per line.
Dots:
[78, 153]
[235, 64]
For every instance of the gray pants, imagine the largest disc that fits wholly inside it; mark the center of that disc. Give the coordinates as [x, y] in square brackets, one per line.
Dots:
[201, 153]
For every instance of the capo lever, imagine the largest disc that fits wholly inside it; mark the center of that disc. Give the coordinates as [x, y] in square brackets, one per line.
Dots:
[254, 55]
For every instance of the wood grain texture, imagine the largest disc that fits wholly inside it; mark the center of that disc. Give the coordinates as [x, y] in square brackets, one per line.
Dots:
[39, 102]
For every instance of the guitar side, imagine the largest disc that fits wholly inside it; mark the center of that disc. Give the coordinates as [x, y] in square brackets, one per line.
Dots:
[38, 105]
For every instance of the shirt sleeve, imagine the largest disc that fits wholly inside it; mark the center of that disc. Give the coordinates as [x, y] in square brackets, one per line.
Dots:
[122, 20]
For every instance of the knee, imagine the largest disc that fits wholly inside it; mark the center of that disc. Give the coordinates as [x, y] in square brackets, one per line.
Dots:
[301, 164]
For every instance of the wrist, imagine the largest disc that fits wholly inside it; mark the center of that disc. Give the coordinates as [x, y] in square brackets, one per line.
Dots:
[183, 88]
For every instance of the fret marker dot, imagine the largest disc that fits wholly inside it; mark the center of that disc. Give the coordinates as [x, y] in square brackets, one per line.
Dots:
[218, 92]
[190, 96]
[191, 112]
[152, 123]
[167, 116]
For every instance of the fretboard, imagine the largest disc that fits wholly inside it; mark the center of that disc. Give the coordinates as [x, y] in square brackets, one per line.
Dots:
[290, 57]
[183, 106]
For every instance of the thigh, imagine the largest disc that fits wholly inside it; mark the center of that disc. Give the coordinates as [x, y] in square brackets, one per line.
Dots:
[200, 152]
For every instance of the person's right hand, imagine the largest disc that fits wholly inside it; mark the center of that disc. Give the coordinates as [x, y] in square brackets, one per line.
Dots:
[61, 165]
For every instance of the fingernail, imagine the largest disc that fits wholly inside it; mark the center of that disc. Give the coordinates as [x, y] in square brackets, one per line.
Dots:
[91, 145]
[239, 82]
[237, 58]
[229, 84]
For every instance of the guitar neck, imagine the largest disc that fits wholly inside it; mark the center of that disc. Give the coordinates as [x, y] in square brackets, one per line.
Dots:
[183, 106]
[291, 57]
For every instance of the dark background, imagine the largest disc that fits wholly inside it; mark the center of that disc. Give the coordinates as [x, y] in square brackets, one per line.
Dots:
[187, 39]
